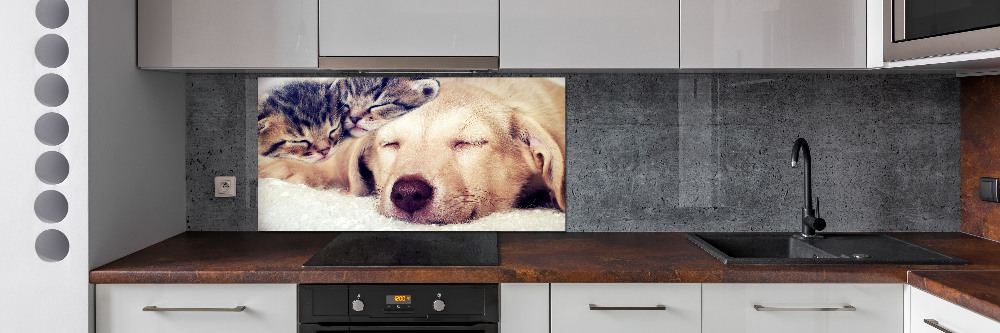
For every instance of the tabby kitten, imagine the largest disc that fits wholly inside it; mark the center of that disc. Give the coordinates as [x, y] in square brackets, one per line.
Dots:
[299, 120]
[370, 102]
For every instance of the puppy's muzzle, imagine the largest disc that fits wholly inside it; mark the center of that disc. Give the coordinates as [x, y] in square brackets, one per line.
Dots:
[410, 194]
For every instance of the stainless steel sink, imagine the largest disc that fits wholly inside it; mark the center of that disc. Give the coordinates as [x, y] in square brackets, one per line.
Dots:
[788, 248]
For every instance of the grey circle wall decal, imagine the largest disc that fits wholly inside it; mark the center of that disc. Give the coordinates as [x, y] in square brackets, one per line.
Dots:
[52, 167]
[51, 90]
[51, 51]
[52, 245]
[51, 206]
[52, 128]
[52, 13]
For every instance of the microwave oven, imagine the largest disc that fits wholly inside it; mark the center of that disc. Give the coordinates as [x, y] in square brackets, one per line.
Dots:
[915, 29]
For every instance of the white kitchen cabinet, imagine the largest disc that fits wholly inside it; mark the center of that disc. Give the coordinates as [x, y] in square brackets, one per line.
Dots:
[268, 308]
[953, 318]
[626, 307]
[802, 308]
[407, 28]
[778, 34]
[227, 34]
[589, 34]
[524, 308]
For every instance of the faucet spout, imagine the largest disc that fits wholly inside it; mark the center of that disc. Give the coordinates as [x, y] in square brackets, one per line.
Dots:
[810, 222]
[803, 146]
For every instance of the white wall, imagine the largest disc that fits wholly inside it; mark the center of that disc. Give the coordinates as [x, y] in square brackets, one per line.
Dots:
[125, 150]
[37, 295]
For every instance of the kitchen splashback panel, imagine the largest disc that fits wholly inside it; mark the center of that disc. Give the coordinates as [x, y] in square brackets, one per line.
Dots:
[682, 152]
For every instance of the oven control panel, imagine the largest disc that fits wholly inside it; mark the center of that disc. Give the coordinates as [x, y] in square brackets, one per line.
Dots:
[395, 303]
[399, 303]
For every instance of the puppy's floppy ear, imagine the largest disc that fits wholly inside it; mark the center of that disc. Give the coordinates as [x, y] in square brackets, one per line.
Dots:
[545, 154]
[359, 178]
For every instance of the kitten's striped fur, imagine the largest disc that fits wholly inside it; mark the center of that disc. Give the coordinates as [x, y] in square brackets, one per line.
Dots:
[370, 102]
[299, 120]
[304, 119]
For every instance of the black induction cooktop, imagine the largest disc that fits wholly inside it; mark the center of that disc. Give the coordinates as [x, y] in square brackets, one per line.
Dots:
[409, 249]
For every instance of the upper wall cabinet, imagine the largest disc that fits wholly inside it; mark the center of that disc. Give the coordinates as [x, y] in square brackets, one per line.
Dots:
[407, 34]
[777, 33]
[227, 34]
[589, 34]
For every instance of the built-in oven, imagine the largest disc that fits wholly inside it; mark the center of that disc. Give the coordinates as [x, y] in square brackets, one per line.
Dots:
[465, 308]
[927, 28]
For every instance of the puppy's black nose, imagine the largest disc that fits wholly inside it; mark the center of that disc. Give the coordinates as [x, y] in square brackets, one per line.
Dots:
[411, 194]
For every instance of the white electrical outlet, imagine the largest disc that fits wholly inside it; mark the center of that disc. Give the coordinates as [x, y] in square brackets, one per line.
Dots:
[225, 186]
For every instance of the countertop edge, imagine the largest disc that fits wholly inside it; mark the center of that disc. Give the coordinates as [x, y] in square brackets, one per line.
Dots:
[936, 283]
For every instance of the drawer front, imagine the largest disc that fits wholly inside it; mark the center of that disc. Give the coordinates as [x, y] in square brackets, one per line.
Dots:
[269, 308]
[729, 308]
[572, 311]
[949, 316]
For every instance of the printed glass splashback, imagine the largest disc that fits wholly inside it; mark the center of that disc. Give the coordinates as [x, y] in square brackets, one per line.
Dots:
[411, 154]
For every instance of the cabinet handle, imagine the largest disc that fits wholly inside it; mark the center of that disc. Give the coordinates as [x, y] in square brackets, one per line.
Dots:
[759, 307]
[630, 308]
[234, 309]
[935, 324]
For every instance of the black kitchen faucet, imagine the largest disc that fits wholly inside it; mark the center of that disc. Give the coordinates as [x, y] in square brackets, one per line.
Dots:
[810, 222]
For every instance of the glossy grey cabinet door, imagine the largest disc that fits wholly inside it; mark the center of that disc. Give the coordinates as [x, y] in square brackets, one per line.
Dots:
[409, 28]
[774, 34]
[589, 34]
[227, 34]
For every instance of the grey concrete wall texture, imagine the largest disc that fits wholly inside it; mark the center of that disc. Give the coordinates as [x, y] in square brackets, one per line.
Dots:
[683, 152]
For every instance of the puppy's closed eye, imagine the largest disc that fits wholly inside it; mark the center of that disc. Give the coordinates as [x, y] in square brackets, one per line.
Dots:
[462, 144]
[391, 145]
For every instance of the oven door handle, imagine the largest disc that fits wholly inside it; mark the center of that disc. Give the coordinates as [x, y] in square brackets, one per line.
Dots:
[424, 327]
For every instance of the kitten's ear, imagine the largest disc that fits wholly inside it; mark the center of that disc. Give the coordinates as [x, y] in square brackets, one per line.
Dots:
[263, 124]
[334, 89]
[544, 155]
[338, 86]
[427, 87]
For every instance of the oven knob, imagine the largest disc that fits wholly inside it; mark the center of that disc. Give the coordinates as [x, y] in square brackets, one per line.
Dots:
[438, 305]
[358, 305]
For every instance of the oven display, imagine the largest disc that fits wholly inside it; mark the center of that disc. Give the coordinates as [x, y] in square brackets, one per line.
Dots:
[397, 299]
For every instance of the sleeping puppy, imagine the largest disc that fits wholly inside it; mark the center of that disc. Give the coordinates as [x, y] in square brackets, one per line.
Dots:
[484, 145]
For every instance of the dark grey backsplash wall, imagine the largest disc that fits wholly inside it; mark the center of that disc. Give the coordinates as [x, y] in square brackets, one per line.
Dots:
[683, 152]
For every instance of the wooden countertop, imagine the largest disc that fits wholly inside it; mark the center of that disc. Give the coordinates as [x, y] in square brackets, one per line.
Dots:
[978, 291]
[277, 257]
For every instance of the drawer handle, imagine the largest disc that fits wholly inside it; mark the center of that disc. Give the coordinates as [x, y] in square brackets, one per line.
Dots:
[234, 309]
[629, 308]
[759, 307]
[935, 324]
